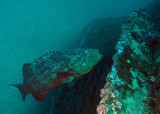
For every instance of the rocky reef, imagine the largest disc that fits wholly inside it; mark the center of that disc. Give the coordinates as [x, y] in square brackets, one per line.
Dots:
[127, 79]
[101, 34]
[132, 86]
[82, 95]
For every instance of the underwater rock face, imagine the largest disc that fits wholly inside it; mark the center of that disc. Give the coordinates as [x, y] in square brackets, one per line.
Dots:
[82, 95]
[55, 69]
[132, 86]
[101, 34]
[153, 10]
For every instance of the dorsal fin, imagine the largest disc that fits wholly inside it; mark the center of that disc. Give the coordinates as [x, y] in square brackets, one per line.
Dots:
[27, 73]
[41, 57]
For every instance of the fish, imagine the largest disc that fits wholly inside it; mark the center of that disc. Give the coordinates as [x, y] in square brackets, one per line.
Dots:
[55, 69]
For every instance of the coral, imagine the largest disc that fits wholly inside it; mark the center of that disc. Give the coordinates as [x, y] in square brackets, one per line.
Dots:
[130, 83]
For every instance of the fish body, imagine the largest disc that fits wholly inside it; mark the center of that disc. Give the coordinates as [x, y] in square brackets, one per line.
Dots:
[54, 69]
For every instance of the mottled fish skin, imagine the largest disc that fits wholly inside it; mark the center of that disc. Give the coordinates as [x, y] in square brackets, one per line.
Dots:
[56, 68]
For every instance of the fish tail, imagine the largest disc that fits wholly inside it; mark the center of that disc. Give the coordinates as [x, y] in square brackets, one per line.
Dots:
[22, 90]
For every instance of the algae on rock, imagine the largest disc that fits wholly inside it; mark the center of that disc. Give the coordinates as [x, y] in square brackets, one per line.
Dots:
[130, 86]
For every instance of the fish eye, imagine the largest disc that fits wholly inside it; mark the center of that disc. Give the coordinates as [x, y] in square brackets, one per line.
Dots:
[84, 65]
[87, 52]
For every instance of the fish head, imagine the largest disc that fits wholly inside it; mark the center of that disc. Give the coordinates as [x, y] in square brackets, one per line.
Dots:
[84, 60]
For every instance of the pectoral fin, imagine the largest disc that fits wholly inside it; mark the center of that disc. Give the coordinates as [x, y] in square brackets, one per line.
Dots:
[39, 95]
[65, 77]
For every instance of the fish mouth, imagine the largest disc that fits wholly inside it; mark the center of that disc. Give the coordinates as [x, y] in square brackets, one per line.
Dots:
[100, 56]
[156, 56]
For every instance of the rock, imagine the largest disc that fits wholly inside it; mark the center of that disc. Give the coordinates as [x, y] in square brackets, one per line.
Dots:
[82, 95]
[130, 86]
[101, 34]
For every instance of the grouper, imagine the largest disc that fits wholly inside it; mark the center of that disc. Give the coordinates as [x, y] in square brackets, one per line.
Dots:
[55, 69]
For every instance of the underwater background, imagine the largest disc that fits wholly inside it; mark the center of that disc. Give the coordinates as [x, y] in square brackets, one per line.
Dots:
[31, 28]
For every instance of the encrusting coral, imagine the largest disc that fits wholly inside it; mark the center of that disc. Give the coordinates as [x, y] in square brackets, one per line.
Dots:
[132, 86]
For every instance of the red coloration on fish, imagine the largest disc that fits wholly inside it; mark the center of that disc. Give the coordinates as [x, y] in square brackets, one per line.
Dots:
[64, 75]
[55, 69]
